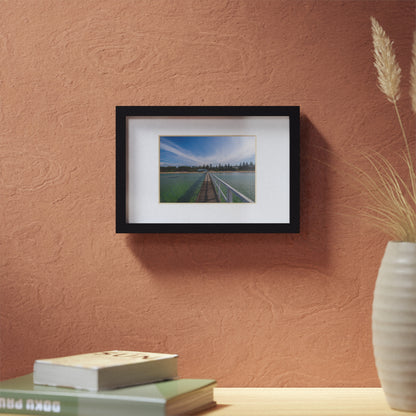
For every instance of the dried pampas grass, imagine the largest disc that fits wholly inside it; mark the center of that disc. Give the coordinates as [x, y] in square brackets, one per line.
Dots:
[413, 75]
[393, 197]
[393, 201]
[388, 70]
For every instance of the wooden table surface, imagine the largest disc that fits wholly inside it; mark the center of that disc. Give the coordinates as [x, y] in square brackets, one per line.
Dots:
[301, 402]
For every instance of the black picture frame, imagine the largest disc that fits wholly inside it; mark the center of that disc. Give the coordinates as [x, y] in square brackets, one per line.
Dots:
[126, 115]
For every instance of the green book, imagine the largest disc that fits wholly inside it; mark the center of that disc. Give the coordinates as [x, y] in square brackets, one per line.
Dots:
[174, 397]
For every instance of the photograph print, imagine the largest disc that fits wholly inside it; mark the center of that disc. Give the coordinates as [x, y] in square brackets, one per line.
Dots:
[213, 169]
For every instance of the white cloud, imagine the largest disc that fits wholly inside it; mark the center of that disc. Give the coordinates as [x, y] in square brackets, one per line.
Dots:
[231, 150]
[178, 151]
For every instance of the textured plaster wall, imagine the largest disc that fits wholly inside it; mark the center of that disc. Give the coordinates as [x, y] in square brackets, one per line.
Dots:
[248, 310]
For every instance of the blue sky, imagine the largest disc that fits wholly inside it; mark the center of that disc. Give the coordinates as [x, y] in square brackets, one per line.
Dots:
[203, 150]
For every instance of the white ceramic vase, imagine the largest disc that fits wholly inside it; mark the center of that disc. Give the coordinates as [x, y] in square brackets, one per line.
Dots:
[394, 325]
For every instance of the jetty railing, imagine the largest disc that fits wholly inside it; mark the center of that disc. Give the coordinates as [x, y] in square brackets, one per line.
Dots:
[230, 191]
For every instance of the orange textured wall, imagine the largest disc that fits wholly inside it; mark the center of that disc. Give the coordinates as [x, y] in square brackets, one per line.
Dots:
[248, 310]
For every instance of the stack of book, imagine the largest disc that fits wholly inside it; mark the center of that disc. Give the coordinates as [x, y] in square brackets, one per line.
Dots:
[108, 383]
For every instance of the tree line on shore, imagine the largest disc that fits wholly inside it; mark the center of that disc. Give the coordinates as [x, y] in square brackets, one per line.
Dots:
[243, 166]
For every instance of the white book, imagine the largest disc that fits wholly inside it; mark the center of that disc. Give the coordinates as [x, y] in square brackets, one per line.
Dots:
[105, 370]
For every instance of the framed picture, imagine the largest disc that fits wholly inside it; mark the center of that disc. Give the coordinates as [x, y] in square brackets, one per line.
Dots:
[207, 169]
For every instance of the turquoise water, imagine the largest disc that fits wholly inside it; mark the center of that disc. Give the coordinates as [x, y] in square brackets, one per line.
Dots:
[180, 187]
[244, 182]
[185, 187]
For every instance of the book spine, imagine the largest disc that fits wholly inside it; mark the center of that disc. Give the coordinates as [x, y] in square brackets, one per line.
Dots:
[34, 404]
[40, 403]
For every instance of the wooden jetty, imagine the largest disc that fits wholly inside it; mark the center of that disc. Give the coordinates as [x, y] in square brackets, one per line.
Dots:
[207, 192]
